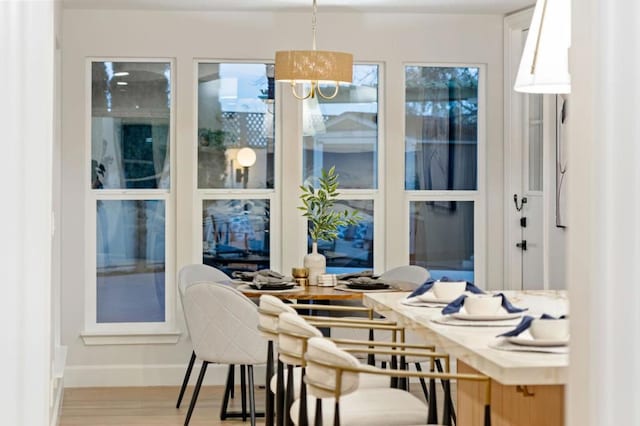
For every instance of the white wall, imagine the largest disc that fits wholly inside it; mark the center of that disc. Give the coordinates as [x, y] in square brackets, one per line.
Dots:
[389, 38]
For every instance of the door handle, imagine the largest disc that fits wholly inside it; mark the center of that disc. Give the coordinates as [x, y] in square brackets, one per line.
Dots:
[522, 244]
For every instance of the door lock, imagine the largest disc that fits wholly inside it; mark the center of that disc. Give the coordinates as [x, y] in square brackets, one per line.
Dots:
[522, 244]
[523, 222]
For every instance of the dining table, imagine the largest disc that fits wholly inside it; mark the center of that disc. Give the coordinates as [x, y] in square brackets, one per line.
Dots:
[527, 383]
[306, 293]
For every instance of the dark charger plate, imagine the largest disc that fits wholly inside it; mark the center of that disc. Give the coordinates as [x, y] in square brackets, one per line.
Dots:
[369, 286]
[285, 286]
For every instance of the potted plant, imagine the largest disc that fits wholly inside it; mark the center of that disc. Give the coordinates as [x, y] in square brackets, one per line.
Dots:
[324, 221]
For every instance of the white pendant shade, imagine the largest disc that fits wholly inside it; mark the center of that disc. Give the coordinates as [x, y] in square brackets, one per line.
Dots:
[544, 67]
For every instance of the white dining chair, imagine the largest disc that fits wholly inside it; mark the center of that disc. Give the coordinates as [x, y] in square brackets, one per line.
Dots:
[224, 329]
[333, 377]
[188, 275]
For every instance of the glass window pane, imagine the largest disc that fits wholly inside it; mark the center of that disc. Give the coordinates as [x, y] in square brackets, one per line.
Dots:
[343, 132]
[235, 110]
[441, 128]
[535, 142]
[130, 261]
[352, 251]
[441, 238]
[235, 234]
[130, 115]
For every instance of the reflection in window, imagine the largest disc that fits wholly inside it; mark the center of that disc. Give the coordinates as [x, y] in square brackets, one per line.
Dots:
[441, 128]
[236, 105]
[130, 114]
[353, 249]
[441, 238]
[235, 234]
[535, 141]
[343, 132]
[130, 261]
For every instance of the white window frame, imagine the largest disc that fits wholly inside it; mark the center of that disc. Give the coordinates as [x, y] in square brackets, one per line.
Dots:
[200, 195]
[478, 196]
[95, 333]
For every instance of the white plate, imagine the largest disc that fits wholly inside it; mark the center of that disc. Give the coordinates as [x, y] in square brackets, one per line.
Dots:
[495, 317]
[343, 287]
[245, 288]
[523, 341]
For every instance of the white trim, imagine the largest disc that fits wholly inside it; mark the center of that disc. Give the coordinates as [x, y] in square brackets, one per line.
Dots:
[147, 375]
[115, 338]
[168, 196]
[513, 103]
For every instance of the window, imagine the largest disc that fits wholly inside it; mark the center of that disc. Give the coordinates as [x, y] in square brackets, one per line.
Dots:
[343, 132]
[236, 156]
[130, 193]
[442, 141]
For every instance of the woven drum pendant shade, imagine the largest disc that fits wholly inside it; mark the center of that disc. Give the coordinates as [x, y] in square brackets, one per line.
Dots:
[314, 65]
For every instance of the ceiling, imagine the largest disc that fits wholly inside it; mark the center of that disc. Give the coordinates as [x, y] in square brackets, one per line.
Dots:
[500, 7]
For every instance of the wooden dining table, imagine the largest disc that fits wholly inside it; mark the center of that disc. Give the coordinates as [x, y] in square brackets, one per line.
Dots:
[527, 388]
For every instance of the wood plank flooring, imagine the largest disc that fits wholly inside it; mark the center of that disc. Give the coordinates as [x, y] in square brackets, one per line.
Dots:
[155, 406]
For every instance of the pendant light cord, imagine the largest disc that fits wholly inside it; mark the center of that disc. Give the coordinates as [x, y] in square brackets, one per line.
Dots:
[313, 23]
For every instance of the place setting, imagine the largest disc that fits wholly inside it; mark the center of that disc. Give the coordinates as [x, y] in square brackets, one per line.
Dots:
[265, 281]
[546, 334]
[358, 282]
[480, 310]
[439, 293]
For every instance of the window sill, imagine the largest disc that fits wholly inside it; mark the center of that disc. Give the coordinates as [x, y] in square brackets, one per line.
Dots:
[115, 338]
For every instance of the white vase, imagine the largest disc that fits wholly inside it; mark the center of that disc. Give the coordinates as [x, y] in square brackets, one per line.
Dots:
[316, 263]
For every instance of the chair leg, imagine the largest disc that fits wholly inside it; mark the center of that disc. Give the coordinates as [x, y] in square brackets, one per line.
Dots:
[336, 415]
[433, 403]
[232, 382]
[243, 392]
[252, 396]
[318, 419]
[487, 415]
[289, 397]
[446, 387]
[196, 391]
[303, 416]
[423, 384]
[393, 364]
[371, 358]
[187, 375]
[403, 383]
[270, 400]
[227, 393]
[280, 413]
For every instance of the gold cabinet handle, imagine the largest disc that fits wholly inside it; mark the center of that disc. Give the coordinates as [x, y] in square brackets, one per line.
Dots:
[524, 390]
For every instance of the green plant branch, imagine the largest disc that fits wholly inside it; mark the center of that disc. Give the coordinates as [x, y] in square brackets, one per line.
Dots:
[317, 205]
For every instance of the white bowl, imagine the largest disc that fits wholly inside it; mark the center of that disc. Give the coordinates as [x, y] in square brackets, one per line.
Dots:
[482, 304]
[549, 329]
[448, 289]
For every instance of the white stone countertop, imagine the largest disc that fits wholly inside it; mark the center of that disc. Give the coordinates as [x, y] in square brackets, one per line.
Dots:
[471, 344]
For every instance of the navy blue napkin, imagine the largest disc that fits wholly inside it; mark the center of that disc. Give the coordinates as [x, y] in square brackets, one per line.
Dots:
[457, 304]
[508, 306]
[525, 324]
[427, 285]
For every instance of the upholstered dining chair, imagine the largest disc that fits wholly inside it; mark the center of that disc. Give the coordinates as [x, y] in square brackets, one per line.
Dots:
[333, 376]
[188, 275]
[224, 329]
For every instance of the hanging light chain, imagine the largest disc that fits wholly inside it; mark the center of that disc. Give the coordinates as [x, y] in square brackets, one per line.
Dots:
[313, 23]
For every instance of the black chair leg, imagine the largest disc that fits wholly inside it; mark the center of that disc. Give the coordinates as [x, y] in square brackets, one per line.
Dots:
[423, 384]
[403, 383]
[243, 392]
[446, 387]
[187, 375]
[280, 414]
[252, 396]
[433, 403]
[227, 393]
[487, 415]
[303, 416]
[393, 364]
[196, 391]
[318, 419]
[371, 358]
[232, 382]
[270, 400]
[289, 397]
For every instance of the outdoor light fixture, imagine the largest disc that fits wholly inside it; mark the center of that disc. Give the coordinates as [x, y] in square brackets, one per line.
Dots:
[246, 157]
[544, 67]
[314, 67]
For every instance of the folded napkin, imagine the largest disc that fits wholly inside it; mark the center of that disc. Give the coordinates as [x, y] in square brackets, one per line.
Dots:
[363, 280]
[427, 285]
[248, 276]
[525, 324]
[350, 275]
[457, 304]
[265, 279]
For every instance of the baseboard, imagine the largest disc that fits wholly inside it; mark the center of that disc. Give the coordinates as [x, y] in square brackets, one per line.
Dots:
[58, 396]
[147, 375]
[57, 383]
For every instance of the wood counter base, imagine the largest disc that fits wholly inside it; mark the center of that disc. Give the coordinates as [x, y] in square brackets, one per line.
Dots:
[537, 405]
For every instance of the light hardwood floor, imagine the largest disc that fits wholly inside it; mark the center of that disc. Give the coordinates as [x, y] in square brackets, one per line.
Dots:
[147, 406]
[155, 406]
